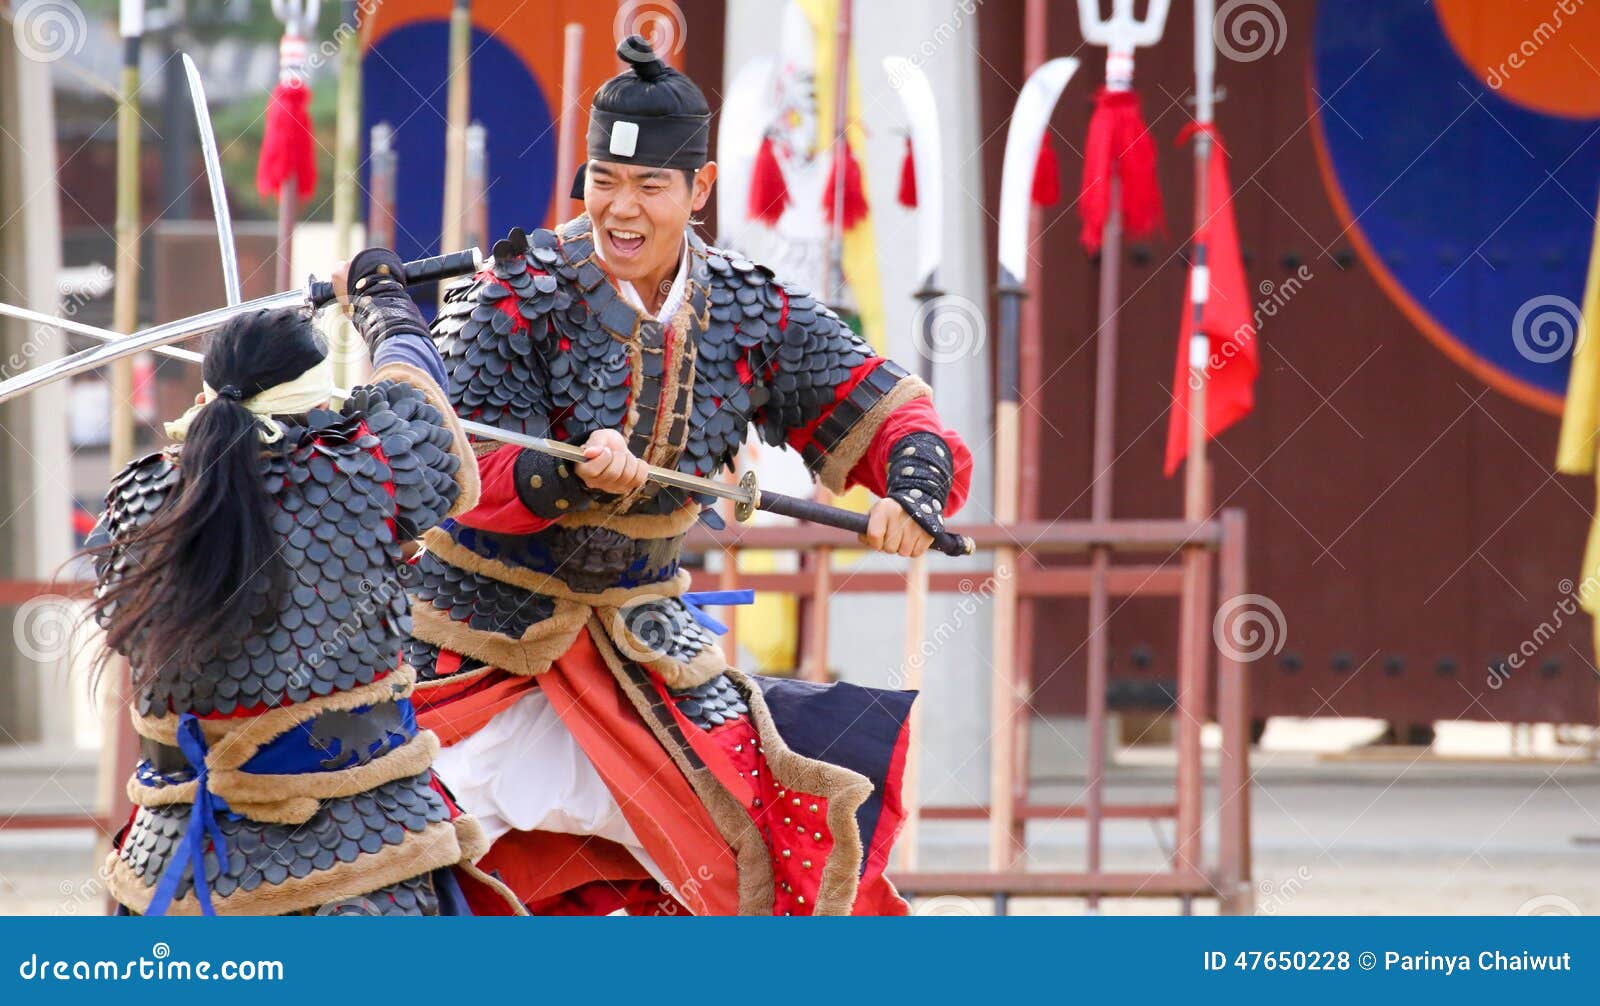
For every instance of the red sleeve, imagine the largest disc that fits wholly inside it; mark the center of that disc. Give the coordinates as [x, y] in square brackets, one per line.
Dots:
[801, 437]
[916, 416]
[499, 507]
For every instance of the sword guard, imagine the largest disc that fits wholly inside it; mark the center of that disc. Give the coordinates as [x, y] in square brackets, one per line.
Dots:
[744, 509]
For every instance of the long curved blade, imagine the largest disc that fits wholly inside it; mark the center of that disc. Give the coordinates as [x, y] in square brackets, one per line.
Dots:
[219, 195]
[922, 121]
[1029, 119]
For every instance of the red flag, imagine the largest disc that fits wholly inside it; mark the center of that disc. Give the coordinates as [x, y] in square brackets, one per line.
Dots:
[287, 149]
[1227, 317]
[1118, 140]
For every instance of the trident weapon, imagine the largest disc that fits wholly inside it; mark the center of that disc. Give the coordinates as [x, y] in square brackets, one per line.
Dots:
[1120, 34]
[747, 496]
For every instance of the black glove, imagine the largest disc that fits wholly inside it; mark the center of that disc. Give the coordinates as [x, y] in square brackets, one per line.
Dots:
[921, 472]
[380, 306]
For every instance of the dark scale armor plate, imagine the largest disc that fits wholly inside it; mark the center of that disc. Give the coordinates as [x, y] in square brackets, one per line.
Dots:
[414, 896]
[666, 629]
[342, 614]
[483, 604]
[711, 704]
[269, 854]
[586, 559]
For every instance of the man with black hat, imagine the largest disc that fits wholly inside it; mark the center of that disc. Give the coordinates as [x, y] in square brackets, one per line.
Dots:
[592, 724]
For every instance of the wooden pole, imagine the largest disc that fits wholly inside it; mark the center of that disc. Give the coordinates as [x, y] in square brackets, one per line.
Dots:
[118, 743]
[1195, 602]
[346, 197]
[916, 624]
[815, 613]
[1100, 505]
[1004, 699]
[570, 117]
[1030, 370]
[457, 111]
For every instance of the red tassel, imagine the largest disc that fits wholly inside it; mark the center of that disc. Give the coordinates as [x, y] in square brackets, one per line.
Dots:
[1119, 141]
[287, 149]
[855, 199]
[908, 179]
[1046, 174]
[769, 192]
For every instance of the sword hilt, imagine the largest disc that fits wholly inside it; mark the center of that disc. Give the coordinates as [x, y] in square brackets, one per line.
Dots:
[420, 272]
[848, 520]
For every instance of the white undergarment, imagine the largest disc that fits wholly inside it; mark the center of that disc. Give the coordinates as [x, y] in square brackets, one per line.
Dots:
[524, 771]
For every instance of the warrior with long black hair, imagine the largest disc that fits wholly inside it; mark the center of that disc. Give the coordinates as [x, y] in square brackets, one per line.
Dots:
[250, 575]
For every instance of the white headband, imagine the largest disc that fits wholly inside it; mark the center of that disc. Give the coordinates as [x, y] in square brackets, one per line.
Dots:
[306, 392]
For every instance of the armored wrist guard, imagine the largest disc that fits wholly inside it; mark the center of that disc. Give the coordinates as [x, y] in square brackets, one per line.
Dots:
[921, 473]
[380, 306]
[548, 487]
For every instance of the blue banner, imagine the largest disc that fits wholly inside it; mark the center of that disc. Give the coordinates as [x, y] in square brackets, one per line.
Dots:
[942, 959]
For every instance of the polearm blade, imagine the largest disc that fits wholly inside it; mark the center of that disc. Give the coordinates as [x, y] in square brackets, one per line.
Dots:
[746, 494]
[922, 122]
[315, 294]
[1029, 119]
[219, 195]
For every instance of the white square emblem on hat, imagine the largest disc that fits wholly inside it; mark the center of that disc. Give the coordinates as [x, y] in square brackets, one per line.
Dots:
[624, 138]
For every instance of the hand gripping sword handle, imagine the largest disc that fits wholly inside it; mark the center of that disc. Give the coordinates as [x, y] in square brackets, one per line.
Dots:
[418, 273]
[848, 520]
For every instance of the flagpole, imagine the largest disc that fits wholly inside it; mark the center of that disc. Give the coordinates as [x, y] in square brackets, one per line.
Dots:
[815, 617]
[346, 161]
[1193, 651]
[119, 746]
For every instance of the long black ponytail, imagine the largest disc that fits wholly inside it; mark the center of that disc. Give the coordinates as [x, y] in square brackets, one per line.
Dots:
[184, 594]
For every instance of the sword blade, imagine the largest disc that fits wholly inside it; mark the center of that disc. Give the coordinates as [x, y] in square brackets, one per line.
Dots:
[128, 345]
[219, 195]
